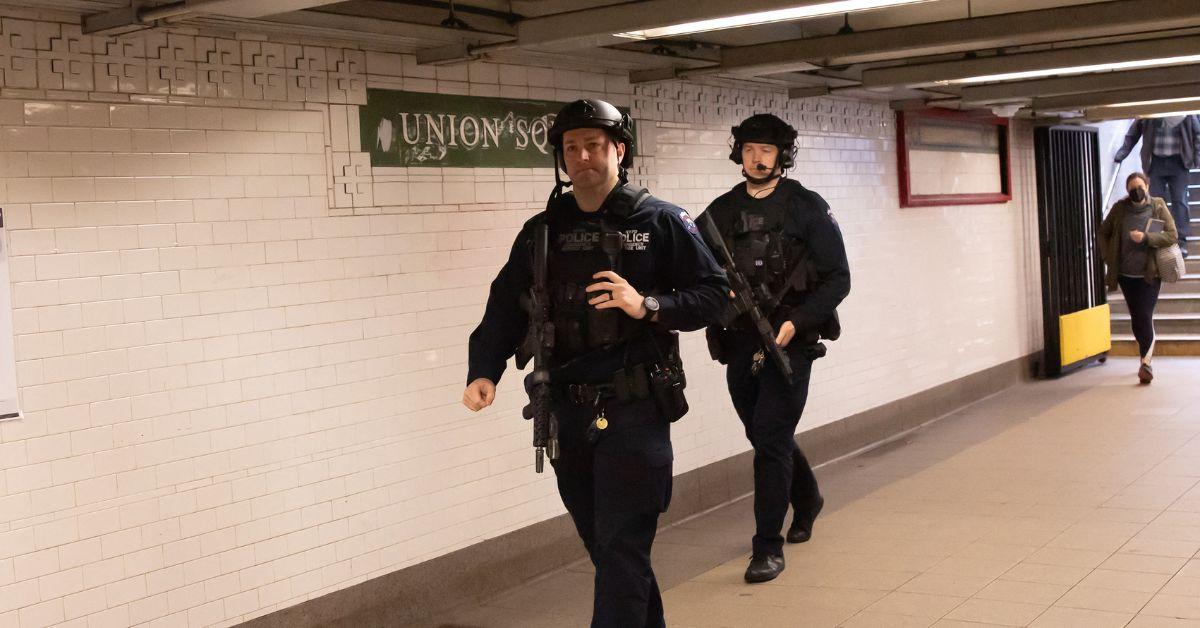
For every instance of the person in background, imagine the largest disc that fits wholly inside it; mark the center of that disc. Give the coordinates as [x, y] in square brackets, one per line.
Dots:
[1127, 246]
[1169, 150]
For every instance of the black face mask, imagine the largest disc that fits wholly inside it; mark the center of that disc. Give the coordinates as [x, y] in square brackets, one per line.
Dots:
[1137, 195]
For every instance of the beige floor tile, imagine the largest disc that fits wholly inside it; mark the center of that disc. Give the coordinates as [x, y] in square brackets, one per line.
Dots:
[888, 562]
[989, 550]
[716, 615]
[1030, 592]
[1105, 536]
[1178, 606]
[868, 579]
[1166, 532]
[1113, 600]
[1095, 523]
[1141, 563]
[1153, 547]
[1059, 617]
[1150, 621]
[1049, 574]
[1127, 515]
[1068, 557]
[1025, 530]
[1125, 580]
[797, 576]
[997, 612]
[1178, 518]
[916, 604]
[1190, 569]
[1149, 500]
[944, 584]
[497, 617]
[825, 598]
[867, 619]
[954, 623]
[974, 567]
[1182, 585]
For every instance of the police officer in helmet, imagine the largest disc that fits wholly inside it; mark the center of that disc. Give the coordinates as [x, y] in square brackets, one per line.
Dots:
[784, 241]
[625, 270]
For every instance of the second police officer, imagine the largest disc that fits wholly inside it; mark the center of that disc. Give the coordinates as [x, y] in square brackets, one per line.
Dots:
[785, 242]
[625, 269]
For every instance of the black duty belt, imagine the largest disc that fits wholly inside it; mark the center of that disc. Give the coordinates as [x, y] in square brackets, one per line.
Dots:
[628, 384]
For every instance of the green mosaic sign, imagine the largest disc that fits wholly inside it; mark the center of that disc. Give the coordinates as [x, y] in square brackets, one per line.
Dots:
[435, 130]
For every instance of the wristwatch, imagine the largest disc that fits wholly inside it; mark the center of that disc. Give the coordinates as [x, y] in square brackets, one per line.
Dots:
[652, 306]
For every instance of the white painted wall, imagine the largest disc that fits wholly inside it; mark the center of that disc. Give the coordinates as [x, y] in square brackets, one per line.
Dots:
[240, 351]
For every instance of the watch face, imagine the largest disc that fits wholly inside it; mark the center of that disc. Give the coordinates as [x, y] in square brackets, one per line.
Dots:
[652, 304]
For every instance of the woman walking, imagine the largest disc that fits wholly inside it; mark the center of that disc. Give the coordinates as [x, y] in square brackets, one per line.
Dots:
[1136, 226]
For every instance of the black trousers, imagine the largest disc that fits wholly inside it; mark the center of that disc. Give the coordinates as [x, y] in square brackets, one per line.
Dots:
[615, 490]
[1169, 181]
[1141, 297]
[769, 407]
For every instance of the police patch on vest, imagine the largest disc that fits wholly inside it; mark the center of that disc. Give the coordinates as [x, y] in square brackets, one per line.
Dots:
[688, 222]
[636, 240]
[579, 240]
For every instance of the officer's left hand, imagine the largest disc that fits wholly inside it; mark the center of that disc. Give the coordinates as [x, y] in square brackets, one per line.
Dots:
[619, 294]
[787, 331]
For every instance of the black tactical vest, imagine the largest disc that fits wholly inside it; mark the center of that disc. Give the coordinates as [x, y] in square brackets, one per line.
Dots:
[580, 248]
[760, 248]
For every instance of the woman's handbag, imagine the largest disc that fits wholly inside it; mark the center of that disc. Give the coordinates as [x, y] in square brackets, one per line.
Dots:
[1171, 267]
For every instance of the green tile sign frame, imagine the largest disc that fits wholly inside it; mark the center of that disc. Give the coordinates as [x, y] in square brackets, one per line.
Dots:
[412, 129]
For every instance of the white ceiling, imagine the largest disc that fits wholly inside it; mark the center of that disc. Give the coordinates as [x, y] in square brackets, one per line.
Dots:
[937, 35]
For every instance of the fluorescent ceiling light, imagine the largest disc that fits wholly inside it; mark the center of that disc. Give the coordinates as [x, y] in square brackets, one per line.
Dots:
[1079, 69]
[1161, 101]
[1172, 113]
[765, 17]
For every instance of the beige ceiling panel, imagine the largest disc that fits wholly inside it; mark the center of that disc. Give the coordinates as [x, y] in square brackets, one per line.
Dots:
[1072, 102]
[932, 73]
[1084, 83]
[1013, 29]
[1121, 113]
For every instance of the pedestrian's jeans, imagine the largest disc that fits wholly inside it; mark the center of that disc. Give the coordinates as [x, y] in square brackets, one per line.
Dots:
[1169, 181]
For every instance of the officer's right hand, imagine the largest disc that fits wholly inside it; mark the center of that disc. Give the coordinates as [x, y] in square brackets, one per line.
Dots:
[479, 394]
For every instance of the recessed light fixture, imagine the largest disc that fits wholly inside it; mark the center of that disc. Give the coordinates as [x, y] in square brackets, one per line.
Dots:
[765, 17]
[1078, 69]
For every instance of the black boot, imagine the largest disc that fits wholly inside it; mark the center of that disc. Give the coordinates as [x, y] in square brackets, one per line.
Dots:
[802, 524]
[764, 568]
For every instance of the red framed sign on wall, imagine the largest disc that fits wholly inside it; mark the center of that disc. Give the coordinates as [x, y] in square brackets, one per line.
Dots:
[948, 157]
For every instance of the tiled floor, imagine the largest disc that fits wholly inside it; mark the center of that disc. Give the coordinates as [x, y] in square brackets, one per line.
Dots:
[1063, 503]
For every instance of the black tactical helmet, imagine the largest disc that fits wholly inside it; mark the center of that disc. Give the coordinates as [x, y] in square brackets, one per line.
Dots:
[764, 128]
[594, 114]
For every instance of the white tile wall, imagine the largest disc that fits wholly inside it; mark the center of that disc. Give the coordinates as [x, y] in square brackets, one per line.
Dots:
[240, 350]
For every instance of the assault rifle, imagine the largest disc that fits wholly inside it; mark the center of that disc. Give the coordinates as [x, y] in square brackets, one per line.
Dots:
[743, 301]
[539, 344]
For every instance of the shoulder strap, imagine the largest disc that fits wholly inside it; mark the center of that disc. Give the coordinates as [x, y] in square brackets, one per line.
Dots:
[624, 200]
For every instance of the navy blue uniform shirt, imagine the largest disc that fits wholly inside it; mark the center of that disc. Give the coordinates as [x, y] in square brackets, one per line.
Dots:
[664, 257]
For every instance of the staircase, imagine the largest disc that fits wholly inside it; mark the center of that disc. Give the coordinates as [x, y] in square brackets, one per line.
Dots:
[1177, 317]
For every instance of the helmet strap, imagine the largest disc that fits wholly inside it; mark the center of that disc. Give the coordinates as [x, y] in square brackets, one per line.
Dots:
[559, 183]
